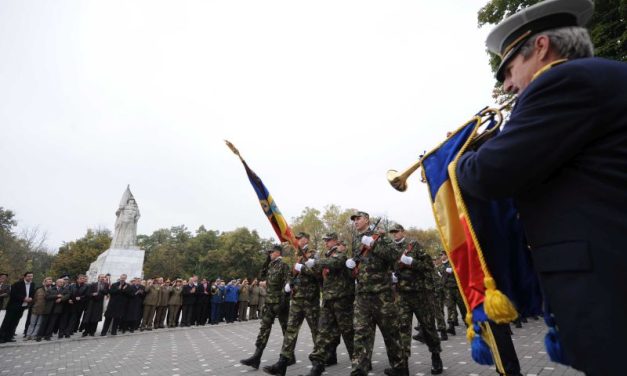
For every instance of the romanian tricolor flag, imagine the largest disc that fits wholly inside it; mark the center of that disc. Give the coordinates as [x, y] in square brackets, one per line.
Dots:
[278, 222]
[484, 241]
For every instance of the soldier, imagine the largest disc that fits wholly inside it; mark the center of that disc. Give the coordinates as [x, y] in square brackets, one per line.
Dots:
[453, 297]
[175, 300]
[415, 288]
[276, 274]
[162, 308]
[336, 315]
[373, 262]
[438, 301]
[151, 301]
[304, 285]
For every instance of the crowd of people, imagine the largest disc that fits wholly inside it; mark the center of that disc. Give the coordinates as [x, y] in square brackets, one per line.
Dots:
[65, 307]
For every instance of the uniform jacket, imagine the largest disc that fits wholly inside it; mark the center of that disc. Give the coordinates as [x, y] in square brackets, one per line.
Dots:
[337, 281]
[176, 296]
[375, 268]
[153, 295]
[419, 275]
[276, 275]
[254, 296]
[563, 158]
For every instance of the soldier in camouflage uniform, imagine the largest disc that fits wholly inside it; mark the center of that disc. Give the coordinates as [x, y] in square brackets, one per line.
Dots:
[438, 302]
[304, 285]
[415, 290]
[374, 259]
[453, 297]
[336, 315]
[276, 274]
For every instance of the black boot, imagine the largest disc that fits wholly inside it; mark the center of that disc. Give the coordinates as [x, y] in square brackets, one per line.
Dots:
[436, 364]
[277, 368]
[291, 362]
[443, 335]
[317, 369]
[419, 337]
[331, 359]
[396, 372]
[254, 360]
[451, 329]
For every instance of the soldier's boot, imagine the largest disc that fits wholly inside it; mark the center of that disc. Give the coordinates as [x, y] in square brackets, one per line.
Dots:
[451, 329]
[254, 360]
[436, 364]
[396, 372]
[456, 322]
[331, 359]
[419, 337]
[278, 368]
[292, 361]
[317, 369]
[443, 335]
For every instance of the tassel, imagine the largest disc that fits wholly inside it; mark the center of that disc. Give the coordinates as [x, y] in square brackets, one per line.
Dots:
[480, 350]
[552, 341]
[497, 306]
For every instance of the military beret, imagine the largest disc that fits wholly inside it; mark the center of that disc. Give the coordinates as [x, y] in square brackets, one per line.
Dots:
[359, 214]
[302, 234]
[330, 236]
[509, 35]
[397, 228]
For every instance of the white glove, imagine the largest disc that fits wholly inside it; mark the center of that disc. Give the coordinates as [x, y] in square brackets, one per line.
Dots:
[449, 270]
[287, 287]
[351, 264]
[298, 267]
[310, 263]
[407, 260]
[367, 240]
[394, 278]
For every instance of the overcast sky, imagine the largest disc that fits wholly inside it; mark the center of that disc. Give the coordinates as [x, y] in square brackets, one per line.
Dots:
[320, 97]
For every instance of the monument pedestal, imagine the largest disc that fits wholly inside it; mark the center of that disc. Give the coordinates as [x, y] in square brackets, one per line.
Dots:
[117, 262]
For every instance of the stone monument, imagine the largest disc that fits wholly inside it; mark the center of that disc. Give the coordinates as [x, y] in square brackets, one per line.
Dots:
[123, 256]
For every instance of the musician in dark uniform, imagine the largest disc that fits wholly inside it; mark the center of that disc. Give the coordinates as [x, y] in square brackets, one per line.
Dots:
[563, 158]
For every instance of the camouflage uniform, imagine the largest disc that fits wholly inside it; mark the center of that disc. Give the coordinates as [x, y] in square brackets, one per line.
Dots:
[336, 315]
[415, 287]
[453, 297]
[305, 304]
[374, 306]
[276, 274]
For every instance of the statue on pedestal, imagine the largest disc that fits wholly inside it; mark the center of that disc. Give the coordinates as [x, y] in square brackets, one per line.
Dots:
[125, 232]
[123, 256]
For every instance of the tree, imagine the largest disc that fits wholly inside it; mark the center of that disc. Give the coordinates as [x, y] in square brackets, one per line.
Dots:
[24, 252]
[75, 257]
[608, 26]
[309, 222]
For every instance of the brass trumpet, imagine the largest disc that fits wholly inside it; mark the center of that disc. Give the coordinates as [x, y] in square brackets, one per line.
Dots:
[398, 180]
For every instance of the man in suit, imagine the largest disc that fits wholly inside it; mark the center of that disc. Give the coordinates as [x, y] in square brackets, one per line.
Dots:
[563, 158]
[20, 298]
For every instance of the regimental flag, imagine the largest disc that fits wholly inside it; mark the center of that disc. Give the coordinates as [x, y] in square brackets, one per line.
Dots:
[271, 210]
[485, 244]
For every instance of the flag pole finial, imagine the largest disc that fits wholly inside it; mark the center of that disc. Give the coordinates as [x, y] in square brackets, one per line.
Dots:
[233, 148]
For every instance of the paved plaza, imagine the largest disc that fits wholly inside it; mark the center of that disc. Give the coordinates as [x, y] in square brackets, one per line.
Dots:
[216, 350]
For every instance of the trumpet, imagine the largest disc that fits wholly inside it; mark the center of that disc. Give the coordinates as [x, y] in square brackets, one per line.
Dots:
[398, 180]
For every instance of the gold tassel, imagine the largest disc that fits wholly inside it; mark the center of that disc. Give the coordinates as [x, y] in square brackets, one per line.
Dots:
[497, 306]
[470, 332]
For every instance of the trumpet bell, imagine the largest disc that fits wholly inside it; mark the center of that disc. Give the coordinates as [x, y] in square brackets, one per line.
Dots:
[397, 180]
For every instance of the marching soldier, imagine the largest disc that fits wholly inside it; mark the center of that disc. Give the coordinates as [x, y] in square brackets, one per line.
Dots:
[453, 297]
[438, 302]
[276, 273]
[415, 288]
[336, 315]
[304, 286]
[373, 262]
